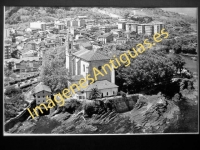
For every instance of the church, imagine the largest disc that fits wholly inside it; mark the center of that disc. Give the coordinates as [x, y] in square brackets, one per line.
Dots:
[80, 62]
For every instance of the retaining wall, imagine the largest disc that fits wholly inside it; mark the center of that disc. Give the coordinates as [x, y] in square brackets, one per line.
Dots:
[20, 118]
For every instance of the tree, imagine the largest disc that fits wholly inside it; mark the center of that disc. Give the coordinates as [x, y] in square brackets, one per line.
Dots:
[148, 70]
[178, 62]
[53, 71]
[14, 54]
[11, 91]
[8, 71]
[95, 93]
[177, 48]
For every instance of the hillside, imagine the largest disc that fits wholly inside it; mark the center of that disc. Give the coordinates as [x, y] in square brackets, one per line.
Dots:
[15, 15]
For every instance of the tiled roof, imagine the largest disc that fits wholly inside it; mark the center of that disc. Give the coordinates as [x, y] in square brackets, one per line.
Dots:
[22, 59]
[41, 87]
[104, 84]
[86, 44]
[105, 35]
[30, 52]
[90, 55]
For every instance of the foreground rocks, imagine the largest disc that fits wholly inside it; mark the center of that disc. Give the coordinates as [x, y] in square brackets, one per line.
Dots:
[151, 114]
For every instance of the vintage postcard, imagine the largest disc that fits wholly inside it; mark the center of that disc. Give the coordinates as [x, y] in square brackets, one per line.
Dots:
[100, 70]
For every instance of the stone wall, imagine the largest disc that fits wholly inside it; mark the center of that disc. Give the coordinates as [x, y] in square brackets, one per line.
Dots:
[124, 104]
[20, 118]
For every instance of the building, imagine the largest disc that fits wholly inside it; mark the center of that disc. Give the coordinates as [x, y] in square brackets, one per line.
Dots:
[148, 29]
[90, 22]
[60, 26]
[105, 88]
[30, 53]
[140, 29]
[31, 45]
[105, 38]
[158, 26]
[81, 63]
[75, 23]
[6, 33]
[117, 32]
[28, 64]
[129, 34]
[7, 52]
[40, 92]
[104, 29]
[131, 26]
[121, 40]
[121, 25]
[38, 25]
[86, 44]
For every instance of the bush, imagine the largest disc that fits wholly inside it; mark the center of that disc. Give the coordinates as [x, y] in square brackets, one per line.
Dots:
[12, 91]
[72, 106]
[90, 110]
[9, 114]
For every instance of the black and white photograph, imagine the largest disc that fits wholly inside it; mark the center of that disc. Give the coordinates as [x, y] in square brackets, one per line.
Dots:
[100, 70]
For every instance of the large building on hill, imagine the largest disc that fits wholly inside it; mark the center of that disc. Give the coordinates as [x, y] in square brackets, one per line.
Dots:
[142, 28]
[80, 63]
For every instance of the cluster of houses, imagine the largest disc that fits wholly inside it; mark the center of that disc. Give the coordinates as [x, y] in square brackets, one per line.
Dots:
[82, 37]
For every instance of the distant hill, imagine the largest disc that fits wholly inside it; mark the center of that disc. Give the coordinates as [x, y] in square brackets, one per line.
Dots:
[15, 15]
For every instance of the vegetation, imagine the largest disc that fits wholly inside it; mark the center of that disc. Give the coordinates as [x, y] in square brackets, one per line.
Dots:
[54, 72]
[95, 93]
[7, 70]
[145, 72]
[178, 62]
[11, 91]
[14, 105]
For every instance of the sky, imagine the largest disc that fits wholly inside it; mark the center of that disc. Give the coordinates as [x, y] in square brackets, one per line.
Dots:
[190, 11]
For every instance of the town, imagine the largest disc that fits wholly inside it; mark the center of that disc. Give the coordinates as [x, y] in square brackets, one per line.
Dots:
[45, 57]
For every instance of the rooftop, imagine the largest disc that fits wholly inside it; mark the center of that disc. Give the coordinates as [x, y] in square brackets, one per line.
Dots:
[90, 55]
[41, 87]
[105, 35]
[104, 84]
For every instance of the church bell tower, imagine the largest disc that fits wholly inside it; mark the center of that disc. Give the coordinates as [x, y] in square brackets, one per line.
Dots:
[68, 49]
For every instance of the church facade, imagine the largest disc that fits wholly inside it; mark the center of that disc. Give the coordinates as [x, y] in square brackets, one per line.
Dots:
[80, 62]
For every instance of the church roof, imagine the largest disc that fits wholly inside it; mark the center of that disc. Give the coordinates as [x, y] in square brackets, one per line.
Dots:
[90, 55]
[104, 84]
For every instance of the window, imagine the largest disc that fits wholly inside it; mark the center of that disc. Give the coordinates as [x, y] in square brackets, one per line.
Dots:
[107, 93]
[38, 96]
[81, 97]
[99, 67]
[113, 92]
[70, 46]
[83, 68]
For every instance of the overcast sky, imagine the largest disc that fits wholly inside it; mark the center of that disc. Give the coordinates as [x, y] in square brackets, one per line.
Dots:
[186, 10]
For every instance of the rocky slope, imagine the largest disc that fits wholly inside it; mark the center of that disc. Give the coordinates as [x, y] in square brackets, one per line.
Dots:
[151, 114]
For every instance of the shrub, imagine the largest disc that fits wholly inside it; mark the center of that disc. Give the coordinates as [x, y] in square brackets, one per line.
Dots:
[11, 91]
[72, 106]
